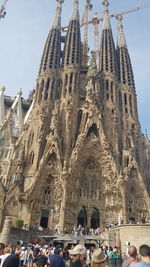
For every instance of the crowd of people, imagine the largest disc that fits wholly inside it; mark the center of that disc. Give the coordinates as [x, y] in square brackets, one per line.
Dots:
[32, 255]
[84, 230]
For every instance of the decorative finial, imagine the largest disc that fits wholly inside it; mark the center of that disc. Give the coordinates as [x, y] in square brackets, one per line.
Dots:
[2, 89]
[105, 3]
[19, 92]
[121, 38]
[57, 20]
[106, 21]
[75, 14]
[60, 1]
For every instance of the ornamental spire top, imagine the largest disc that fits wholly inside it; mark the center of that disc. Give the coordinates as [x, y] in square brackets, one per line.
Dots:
[106, 21]
[57, 20]
[121, 38]
[75, 13]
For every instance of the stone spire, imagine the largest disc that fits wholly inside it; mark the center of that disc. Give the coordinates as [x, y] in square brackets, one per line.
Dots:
[52, 51]
[108, 59]
[72, 50]
[57, 20]
[125, 67]
[106, 21]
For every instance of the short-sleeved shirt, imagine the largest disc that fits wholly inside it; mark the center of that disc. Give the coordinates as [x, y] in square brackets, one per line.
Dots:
[142, 264]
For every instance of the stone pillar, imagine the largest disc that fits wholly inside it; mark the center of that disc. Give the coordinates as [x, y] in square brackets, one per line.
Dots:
[5, 235]
[2, 89]
[123, 187]
[1, 212]
[19, 120]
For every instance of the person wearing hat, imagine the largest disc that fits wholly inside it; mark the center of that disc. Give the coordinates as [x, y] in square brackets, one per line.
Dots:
[78, 256]
[98, 258]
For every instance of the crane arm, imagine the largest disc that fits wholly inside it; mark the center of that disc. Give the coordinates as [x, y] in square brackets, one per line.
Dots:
[123, 12]
[130, 10]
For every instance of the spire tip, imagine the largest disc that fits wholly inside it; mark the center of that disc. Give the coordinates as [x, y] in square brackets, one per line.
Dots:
[105, 3]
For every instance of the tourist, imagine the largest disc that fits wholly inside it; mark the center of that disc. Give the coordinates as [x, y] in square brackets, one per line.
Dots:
[144, 252]
[132, 259]
[56, 260]
[2, 246]
[110, 253]
[7, 252]
[29, 256]
[78, 256]
[98, 258]
[23, 256]
[39, 259]
[11, 261]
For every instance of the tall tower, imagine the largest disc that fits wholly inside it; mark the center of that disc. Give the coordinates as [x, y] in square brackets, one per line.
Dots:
[110, 89]
[70, 79]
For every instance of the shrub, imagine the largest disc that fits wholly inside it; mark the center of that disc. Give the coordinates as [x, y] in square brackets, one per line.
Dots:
[19, 223]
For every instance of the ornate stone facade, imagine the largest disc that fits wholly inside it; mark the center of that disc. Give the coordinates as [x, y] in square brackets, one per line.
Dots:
[81, 157]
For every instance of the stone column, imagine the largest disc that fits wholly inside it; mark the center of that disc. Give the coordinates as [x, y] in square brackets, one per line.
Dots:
[5, 235]
[64, 180]
[123, 187]
[1, 212]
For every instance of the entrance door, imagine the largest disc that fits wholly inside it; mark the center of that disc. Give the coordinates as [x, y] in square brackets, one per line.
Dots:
[44, 218]
[95, 221]
[82, 217]
[132, 220]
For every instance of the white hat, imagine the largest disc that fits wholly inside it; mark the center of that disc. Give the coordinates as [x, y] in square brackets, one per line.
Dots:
[79, 249]
[98, 256]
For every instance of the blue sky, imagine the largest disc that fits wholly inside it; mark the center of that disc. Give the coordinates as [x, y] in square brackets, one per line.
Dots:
[24, 30]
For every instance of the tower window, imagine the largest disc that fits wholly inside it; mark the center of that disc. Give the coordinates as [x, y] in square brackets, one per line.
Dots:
[125, 99]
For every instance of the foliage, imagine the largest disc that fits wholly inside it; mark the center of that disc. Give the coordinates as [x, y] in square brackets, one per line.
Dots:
[19, 223]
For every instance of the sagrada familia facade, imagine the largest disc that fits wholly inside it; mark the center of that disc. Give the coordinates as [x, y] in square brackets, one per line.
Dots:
[75, 153]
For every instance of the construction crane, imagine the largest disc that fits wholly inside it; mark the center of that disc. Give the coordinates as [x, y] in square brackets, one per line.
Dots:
[95, 21]
[2, 9]
[88, 6]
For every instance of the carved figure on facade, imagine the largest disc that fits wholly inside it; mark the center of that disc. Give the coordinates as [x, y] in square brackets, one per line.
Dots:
[47, 197]
[35, 205]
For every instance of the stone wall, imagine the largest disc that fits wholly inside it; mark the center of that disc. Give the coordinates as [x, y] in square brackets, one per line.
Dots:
[17, 234]
[136, 234]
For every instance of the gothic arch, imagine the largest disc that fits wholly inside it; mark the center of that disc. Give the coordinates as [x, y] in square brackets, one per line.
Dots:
[95, 218]
[82, 217]
[93, 130]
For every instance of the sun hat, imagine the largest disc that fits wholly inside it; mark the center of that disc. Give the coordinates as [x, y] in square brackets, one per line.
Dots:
[98, 256]
[78, 249]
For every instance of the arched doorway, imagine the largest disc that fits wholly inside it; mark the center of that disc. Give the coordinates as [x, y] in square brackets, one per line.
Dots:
[95, 220]
[82, 217]
[44, 218]
[132, 220]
